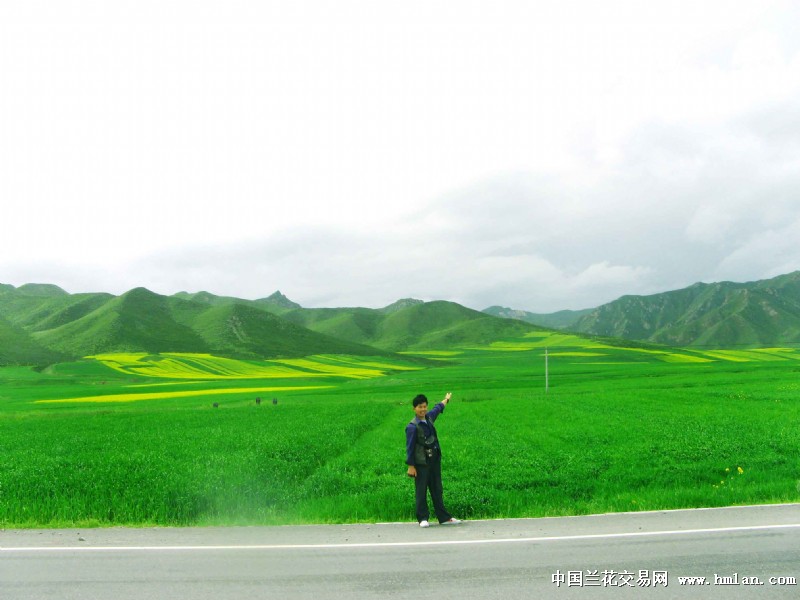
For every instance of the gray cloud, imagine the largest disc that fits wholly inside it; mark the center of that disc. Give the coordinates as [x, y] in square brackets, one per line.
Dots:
[634, 174]
[529, 242]
[681, 205]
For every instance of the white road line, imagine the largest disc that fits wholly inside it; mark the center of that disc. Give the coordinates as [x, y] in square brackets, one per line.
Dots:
[660, 511]
[560, 538]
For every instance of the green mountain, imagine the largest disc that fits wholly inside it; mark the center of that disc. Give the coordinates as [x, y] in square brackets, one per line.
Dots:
[46, 290]
[563, 319]
[276, 303]
[137, 321]
[242, 330]
[27, 309]
[761, 313]
[407, 324]
[206, 298]
[142, 321]
[41, 314]
[410, 325]
[17, 347]
[40, 325]
[353, 324]
[442, 324]
[400, 305]
[39, 307]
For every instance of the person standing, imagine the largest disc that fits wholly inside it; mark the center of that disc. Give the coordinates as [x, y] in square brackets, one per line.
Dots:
[424, 460]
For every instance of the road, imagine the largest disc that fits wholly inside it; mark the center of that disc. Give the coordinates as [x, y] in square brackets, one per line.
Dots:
[628, 555]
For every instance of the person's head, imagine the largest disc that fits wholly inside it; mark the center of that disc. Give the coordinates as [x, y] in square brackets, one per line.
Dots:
[420, 403]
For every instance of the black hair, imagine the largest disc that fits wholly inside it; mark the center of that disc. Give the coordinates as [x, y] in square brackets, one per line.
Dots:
[419, 400]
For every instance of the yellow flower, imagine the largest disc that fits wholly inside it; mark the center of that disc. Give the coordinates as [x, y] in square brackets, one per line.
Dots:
[727, 469]
[740, 469]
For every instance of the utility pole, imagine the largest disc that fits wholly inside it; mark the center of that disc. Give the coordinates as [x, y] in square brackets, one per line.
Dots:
[546, 373]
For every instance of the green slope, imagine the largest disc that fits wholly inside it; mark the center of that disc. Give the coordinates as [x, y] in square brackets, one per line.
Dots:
[137, 321]
[276, 303]
[242, 330]
[205, 298]
[358, 325]
[42, 313]
[762, 313]
[142, 321]
[441, 324]
[410, 325]
[563, 319]
[46, 290]
[17, 347]
[400, 305]
[40, 319]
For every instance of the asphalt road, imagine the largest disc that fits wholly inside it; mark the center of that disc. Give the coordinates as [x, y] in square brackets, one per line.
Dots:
[631, 555]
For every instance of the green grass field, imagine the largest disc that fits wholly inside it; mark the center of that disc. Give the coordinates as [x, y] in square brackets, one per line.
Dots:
[135, 439]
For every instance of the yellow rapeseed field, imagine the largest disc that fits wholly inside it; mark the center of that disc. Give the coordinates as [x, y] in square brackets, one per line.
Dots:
[137, 397]
[205, 366]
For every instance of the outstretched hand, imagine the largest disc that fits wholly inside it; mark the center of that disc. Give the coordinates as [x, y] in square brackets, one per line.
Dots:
[447, 397]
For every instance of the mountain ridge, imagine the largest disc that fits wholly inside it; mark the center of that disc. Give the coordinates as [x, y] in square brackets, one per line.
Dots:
[723, 314]
[54, 326]
[42, 322]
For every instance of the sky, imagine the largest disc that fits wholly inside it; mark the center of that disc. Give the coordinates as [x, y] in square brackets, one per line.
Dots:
[536, 155]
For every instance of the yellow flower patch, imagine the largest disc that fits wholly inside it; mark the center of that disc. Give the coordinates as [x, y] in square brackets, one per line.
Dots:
[183, 394]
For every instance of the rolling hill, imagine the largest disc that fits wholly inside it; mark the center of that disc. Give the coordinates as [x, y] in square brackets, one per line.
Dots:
[410, 325]
[716, 315]
[41, 323]
[242, 330]
[726, 314]
[137, 321]
[17, 347]
[141, 320]
[44, 323]
[353, 324]
[563, 319]
[276, 303]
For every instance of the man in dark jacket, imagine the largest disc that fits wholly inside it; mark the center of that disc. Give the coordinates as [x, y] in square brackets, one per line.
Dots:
[424, 460]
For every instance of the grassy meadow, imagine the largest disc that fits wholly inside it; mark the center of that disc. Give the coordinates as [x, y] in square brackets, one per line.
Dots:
[136, 439]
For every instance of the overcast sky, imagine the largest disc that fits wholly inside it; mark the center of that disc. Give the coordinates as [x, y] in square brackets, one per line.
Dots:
[538, 155]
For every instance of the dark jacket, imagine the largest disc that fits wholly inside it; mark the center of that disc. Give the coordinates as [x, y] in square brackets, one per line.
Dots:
[427, 426]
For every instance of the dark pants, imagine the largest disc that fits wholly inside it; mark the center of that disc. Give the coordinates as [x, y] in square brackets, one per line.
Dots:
[429, 477]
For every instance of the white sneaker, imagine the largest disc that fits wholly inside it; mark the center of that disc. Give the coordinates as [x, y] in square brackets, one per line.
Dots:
[452, 521]
[424, 524]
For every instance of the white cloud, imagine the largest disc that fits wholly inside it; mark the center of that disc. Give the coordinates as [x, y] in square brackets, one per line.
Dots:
[709, 225]
[768, 253]
[539, 155]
